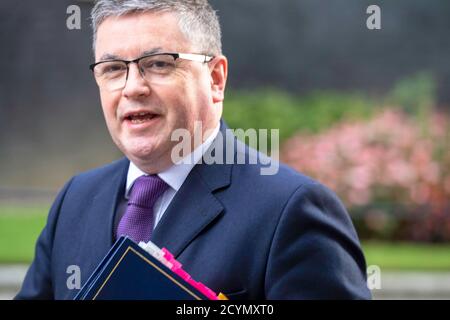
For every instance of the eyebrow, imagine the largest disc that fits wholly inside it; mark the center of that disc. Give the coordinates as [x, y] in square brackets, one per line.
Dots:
[148, 52]
[109, 56]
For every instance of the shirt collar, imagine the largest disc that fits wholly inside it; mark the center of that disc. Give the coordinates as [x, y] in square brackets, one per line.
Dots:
[177, 173]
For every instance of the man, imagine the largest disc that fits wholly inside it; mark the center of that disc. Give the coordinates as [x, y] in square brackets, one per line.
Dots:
[159, 68]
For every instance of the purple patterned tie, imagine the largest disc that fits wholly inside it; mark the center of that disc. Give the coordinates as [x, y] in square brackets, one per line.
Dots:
[137, 222]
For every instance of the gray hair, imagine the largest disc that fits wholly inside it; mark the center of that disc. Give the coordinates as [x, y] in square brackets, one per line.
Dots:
[196, 18]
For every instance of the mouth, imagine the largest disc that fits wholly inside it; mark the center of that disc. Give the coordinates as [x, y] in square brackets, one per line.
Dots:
[139, 117]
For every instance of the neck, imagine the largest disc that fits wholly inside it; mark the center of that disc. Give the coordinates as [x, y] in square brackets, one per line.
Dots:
[178, 151]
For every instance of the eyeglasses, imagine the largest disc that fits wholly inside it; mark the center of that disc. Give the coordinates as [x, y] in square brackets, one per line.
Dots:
[156, 68]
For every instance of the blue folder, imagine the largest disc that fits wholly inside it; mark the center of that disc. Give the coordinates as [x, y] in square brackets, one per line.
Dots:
[128, 272]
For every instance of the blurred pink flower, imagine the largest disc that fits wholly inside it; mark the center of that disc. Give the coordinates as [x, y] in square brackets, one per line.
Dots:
[389, 158]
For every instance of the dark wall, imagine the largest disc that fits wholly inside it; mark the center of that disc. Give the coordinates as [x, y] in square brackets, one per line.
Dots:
[51, 124]
[312, 44]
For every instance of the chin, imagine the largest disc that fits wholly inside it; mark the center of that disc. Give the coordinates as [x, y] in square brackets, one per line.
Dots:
[143, 151]
[138, 147]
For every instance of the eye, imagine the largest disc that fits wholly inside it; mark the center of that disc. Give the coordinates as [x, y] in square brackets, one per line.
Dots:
[111, 68]
[158, 64]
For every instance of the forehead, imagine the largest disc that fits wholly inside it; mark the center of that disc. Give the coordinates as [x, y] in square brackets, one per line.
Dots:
[131, 35]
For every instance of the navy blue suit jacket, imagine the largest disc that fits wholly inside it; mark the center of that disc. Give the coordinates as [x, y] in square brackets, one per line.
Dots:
[248, 235]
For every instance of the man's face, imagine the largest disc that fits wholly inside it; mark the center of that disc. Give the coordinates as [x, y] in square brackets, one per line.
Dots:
[190, 96]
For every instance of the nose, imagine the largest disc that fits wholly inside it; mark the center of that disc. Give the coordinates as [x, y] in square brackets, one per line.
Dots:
[136, 86]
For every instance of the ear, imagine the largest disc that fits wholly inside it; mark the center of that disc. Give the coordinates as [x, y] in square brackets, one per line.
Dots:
[219, 71]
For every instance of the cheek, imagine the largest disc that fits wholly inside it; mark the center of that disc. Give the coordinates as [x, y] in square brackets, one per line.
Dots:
[177, 107]
[109, 106]
[175, 119]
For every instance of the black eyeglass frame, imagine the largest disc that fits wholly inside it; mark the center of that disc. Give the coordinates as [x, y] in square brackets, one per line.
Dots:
[185, 56]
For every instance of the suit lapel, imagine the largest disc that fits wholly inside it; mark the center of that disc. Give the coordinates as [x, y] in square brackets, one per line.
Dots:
[193, 208]
[195, 205]
[105, 203]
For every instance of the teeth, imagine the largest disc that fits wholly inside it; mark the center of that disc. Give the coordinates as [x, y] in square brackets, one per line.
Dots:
[142, 114]
[137, 121]
[141, 117]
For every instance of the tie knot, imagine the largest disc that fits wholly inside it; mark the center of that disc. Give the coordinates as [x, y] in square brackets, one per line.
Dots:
[146, 190]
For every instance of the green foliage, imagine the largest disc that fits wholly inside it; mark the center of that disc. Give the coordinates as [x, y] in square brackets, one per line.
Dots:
[270, 108]
[407, 256]
[19, 228]
[414, 94]
[275, 109]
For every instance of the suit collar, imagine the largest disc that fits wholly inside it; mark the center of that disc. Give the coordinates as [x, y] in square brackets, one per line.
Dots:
[218, 175]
